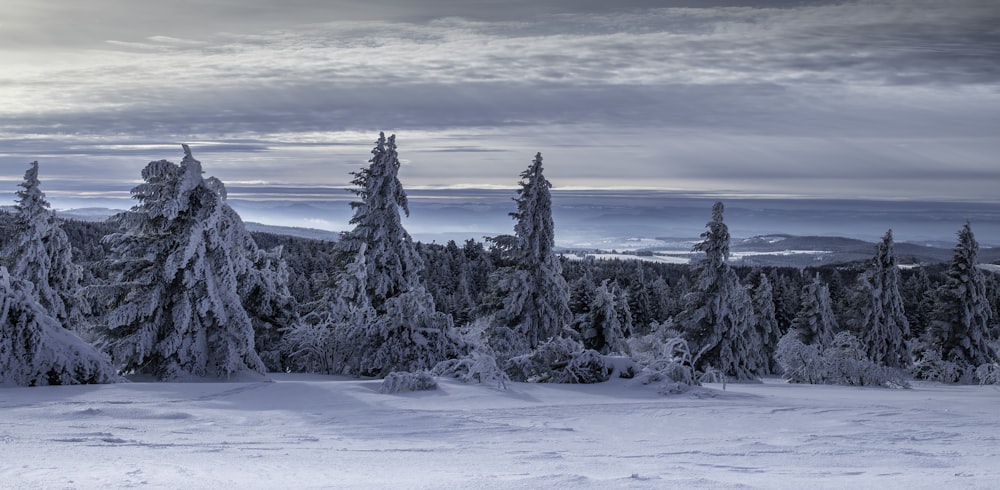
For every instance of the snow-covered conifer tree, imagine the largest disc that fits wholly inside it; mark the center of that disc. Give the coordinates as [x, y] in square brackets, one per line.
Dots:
[767, 323]
[815, 323]
[718, 316]
[884, 327]
[962, 317]
[40, 253]
[603, 330]
[395, 324]
[36, 350]
[174, 307]
[536, 296]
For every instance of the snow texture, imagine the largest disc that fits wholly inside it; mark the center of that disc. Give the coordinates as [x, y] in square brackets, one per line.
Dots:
[312, 431]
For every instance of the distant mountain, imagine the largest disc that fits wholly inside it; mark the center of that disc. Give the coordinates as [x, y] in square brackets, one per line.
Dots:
[781, 250]
[590, 226]
[310, 233]
[102, 214]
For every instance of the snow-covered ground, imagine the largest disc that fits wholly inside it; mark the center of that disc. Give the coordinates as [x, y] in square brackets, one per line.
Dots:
[308, 431]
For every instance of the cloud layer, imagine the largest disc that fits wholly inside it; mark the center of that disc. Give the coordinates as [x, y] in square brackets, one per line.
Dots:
[894, 99]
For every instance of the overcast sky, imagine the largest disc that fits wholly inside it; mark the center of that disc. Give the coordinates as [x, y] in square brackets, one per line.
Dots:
[870, 99]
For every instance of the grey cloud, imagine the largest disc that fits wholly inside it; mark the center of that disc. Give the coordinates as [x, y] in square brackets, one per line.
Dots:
[733, 92]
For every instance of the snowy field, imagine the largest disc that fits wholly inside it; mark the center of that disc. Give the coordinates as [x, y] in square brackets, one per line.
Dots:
[309, 431]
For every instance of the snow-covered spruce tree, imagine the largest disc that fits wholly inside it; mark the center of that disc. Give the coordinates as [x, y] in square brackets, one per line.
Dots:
[603, 329]
[718, 318]
[392, 321]
[535, 294]
[40, 253]
[884, 327]
[269, 303]
[962, 314]
[175, 309]
[815, 323]
[767, 324]
[36, 350]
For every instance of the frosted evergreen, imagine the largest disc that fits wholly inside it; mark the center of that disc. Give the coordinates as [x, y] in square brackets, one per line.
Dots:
[385, 317]
[767, 324]
[536, 296]
[36, 350]
[263, 289]
[815, 323]
[962, 316]
[718, 318]
[884, 327]
[175, 308]
[604, 329]
[39, 252]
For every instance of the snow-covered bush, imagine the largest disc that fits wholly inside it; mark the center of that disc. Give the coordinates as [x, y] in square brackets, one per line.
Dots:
[664, 359]
[318, 344]
[988, 374]
[799, 363]
[506, 343]
[36, 350]
[401, 382]
[849, 364]
[928, 364]
[559, 360]
[478, 367]
[843, 363]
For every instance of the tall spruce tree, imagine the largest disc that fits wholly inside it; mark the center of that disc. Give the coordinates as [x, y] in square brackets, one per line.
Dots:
[40, 253]
[174, 308]
[884, 327]
[535, 293]
[767, 323]
[390, 318]
[608, 320]
[815, 323]
[962, 315]
[718, 318]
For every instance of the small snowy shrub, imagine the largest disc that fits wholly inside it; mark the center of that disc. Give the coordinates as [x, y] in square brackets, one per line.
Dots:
[929, 365]
[800, 363]
[988, 374]
[401, 382]
[843, 363]
[477, 367]
[585, 367]
[559, 360]
[847, 364]
[506, 343]
[317, 344]
[664, 361]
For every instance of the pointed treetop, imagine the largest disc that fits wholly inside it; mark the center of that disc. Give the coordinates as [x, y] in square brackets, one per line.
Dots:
[885, 254]
[31, 175]
[31, 200]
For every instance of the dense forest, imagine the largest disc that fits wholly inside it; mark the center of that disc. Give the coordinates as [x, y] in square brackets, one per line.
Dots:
[177, 288]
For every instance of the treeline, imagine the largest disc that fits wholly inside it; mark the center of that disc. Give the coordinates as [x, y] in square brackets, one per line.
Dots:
[177, 287]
